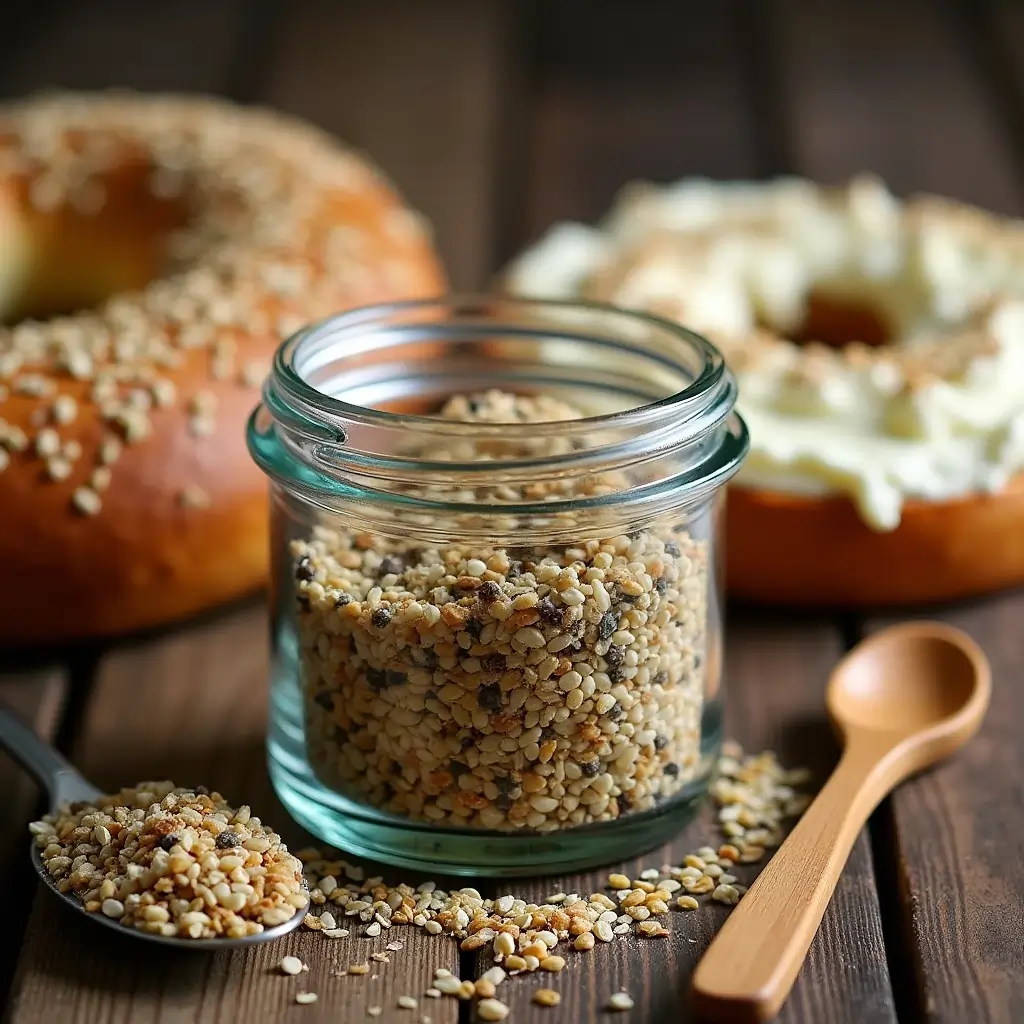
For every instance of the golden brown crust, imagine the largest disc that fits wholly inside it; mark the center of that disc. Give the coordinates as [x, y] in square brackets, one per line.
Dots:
[788, 549]
[182, 523]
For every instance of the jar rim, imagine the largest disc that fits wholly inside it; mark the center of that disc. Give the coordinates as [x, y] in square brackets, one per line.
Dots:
[302, 436]
[691, 400]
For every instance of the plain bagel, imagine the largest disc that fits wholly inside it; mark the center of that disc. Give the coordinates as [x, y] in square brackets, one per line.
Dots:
[153, 252]
[879, 347]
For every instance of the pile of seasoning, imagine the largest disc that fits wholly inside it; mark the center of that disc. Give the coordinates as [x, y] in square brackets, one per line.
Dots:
[174, 862]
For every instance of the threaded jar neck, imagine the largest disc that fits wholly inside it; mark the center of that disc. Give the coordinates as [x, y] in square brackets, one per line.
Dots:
[350, 415]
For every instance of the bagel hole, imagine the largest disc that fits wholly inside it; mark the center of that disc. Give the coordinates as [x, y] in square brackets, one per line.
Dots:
[69, 260]
[838, 322]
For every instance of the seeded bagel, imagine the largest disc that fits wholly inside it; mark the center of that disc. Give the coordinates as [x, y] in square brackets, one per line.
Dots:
[153, 252]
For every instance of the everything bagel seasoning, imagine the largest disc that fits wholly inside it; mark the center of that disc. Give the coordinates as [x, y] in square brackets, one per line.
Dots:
[490, 687]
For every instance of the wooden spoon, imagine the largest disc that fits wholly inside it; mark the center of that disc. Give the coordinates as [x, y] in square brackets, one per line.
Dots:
[901, 700]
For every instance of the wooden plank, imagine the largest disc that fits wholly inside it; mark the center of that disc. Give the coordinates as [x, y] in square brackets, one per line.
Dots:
[91, 45]
[653, 95]
[775, 674]
[885, 87]
[960, 848]
[191, 706]
[890, 87]
[37, 695]
[998, 46]
[417, 87]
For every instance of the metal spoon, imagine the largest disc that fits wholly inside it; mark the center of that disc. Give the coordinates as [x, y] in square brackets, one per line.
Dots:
[902, 700]
[65, 785]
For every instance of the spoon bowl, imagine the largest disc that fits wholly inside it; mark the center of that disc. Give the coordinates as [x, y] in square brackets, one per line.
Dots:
[65, 785]
[195, 945]
[901, 700]
[922, 687]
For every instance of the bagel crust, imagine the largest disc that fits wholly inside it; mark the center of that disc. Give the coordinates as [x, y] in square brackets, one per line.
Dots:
[798, 550]
[193, 235]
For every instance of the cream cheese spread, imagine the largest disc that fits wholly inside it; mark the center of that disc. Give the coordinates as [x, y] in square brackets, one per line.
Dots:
[937, 413]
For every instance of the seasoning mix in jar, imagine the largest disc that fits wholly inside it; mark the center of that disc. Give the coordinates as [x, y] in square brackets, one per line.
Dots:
[497, 580]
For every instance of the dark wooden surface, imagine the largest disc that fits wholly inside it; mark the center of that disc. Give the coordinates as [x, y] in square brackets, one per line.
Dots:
[495, 118]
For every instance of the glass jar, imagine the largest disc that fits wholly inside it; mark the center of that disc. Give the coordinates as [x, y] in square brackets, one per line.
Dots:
[497, 645]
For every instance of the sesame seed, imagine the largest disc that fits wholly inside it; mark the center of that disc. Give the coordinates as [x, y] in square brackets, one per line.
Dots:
[620, 1001]
[546, 997]
[305, 998]
[65, 409]
[58, 468]
[491, 1009]
[86, 501]
[47, 443]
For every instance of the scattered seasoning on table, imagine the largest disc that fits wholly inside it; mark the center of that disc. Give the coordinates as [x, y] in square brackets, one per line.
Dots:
[523, 935]
[113, 853]
[291, 965]
[546, 997]
[620, 1001]
[466, 687]
[172, 862]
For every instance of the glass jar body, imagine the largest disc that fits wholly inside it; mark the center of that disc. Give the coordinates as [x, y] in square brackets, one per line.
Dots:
[497, 644]
[573, 720]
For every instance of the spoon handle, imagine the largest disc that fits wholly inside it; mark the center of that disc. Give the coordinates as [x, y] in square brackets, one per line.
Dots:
[49, 768]
[751, 965]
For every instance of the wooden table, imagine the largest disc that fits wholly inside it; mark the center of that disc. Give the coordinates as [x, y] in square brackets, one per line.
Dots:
[496, 118]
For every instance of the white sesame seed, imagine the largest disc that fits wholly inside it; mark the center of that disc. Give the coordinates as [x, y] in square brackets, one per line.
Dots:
[112, 908]
[491, 1009]
[495, 975]
[86, 501]
[65, 409]
[291, 965]
[620, 1001]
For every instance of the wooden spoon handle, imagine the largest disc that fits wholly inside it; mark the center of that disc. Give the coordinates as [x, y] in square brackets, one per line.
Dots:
[752, 963]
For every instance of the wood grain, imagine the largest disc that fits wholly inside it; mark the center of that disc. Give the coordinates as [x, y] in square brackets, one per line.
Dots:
[889, 88]
[959, 847]
[417, 87]
[172, 46]
[654, 95]
[37, 695]
[191, 706]
[893, 88]
[775, 677]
